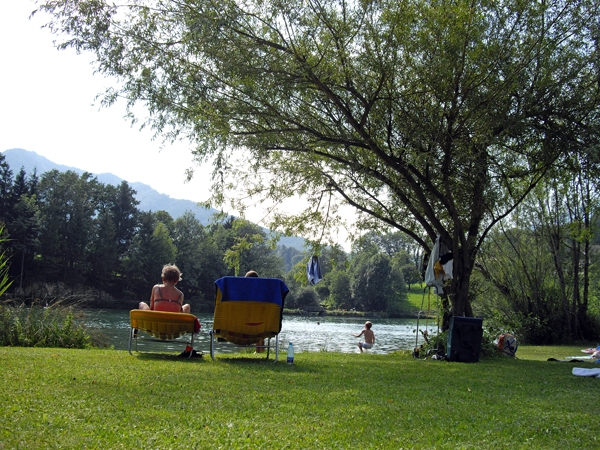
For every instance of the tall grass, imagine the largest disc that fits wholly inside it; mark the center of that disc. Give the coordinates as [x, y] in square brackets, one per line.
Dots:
[37, 326]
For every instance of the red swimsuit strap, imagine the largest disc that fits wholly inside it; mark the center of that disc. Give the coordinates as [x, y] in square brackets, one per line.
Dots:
[161, 299]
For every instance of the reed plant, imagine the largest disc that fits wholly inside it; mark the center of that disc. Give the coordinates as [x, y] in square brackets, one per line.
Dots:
[98, 398]
[42, 326]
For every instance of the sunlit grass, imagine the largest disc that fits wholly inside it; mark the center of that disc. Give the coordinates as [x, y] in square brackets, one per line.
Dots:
[108, 399]
[420, 297]
[560, 352]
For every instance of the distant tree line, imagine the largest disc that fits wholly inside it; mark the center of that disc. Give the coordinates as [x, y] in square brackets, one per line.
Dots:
[69, 235]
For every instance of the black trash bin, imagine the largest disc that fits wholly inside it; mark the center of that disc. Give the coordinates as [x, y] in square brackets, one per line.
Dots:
[464, 339]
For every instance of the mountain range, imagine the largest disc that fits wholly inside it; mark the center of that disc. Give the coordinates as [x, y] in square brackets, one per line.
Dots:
[149, 198]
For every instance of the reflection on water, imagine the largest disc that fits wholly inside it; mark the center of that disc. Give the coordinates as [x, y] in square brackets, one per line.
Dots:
[308, 333]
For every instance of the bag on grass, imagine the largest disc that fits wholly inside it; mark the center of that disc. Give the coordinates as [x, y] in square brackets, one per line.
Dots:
[507, 344]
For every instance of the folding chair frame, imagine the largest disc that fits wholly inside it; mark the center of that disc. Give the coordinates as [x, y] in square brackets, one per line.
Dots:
[213, 338]
[165, 327]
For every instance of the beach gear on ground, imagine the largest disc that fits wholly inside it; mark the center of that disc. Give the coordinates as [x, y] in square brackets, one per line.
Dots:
[464, 339]
[507, 344]
[580, 372]
[189, 352]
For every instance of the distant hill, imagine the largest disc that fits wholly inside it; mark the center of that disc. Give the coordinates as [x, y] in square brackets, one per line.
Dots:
[150, 199]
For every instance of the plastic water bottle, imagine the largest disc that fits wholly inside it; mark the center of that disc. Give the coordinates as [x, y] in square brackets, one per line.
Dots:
[290, 355]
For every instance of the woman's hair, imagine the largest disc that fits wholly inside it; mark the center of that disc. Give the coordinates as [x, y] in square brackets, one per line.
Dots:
[171, 273]
[252, 273]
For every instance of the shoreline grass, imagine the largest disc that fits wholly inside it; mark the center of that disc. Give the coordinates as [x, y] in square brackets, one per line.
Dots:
[57, 325]
[92, 398]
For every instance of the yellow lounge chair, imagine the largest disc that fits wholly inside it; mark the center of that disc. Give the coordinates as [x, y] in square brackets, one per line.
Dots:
[164, 326]
[248, 310]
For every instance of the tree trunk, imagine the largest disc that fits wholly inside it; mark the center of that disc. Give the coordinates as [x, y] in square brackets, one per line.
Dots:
[586, 278]
[576, 249]
[583, 306]
[555, 240]
[456, 301]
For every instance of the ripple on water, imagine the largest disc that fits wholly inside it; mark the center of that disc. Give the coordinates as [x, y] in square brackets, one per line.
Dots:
[308, 333]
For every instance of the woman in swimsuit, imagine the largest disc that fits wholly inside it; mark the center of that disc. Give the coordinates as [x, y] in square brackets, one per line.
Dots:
[165, 296]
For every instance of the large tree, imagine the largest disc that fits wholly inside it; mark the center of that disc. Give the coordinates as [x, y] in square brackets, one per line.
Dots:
[123, 207]
[68, 205]
[151, 248]
[430, 117]
[7, 199]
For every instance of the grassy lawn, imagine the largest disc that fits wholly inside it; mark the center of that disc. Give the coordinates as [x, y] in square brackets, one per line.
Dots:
[415, 298]
[60, 398]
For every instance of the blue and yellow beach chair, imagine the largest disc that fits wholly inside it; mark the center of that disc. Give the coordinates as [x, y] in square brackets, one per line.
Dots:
[248, 310]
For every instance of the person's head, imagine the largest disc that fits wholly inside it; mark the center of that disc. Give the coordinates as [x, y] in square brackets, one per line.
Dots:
[368, 325]
[252, 273]
[171, 273]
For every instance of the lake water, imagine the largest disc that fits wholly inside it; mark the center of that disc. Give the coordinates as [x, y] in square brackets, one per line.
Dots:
[308, 333]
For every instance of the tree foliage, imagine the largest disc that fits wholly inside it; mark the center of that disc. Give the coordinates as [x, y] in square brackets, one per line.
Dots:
[543, 264]
[430, 117]
[68, 203]
[376, 284]
[538, 270]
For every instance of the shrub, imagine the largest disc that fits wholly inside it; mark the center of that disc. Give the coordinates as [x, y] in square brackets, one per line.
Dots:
[35, 326]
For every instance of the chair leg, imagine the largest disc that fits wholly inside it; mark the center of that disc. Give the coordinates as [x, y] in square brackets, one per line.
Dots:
[276, 348]
[212, 344]
[191, 345]
[130, 339]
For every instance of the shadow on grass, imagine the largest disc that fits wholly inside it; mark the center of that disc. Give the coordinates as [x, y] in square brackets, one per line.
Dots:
[267, 364]
[229, 359]
[245, 359]
[167, 356]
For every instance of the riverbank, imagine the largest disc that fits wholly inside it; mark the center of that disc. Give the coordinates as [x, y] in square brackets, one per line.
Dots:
[408, 314]
[60, 398]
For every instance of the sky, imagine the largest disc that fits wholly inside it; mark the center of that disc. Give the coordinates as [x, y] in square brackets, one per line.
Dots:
[48, 106]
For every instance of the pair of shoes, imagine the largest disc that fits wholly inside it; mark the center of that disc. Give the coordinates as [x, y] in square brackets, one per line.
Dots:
[186, 354]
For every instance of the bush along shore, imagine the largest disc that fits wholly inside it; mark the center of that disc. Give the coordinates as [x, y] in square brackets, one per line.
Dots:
[42, 326]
